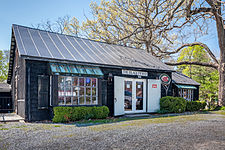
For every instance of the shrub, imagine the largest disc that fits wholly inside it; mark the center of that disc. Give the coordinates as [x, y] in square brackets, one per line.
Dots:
[219, 108]
[195, 105]
[172, 104]
[67, 114]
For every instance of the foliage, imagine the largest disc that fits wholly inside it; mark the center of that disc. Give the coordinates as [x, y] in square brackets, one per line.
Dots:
[195, 105]
[219, 108]
[172, 104]
[4, 65]
[142, 24]
[67, 114]
[207, 77]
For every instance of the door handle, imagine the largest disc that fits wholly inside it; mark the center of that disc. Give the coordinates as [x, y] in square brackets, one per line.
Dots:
[115, 100]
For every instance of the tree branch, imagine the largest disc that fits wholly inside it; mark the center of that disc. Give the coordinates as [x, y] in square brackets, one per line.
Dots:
[202, 9]
[212, 65]
[193, 44]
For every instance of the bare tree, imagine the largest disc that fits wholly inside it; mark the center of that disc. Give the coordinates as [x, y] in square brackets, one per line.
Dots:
[155, 25]
[63, 25]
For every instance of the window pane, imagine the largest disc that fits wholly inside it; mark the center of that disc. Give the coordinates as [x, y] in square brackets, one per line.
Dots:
[93, 91]
[81, 91]
[88, 81]
[61, 91]
[75, 91]
[60, 81]
[94, 101]
[81, 100]
[75, 100]
[88, 91]
[68, 81]
[88, 100]
[68, 101]
[81, 81]
[75, 81]
[94, 80]
[68, 91]
[139, 95]
[128, 95]
[61, 100]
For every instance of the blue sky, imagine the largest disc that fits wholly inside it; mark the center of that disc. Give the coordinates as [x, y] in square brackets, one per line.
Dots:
[27, 12]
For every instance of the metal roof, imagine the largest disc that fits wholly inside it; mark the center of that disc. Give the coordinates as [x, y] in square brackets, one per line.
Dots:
[180, 78]
[42, 44]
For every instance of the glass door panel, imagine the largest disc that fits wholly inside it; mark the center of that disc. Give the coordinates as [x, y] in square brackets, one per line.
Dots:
[128, 95]
[139, 95]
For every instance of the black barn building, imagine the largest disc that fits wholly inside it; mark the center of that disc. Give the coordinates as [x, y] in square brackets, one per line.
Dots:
[6, 104]
[184, 86]
[49, 69]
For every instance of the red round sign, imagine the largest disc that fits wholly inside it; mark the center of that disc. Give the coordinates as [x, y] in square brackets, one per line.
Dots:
[165, 78]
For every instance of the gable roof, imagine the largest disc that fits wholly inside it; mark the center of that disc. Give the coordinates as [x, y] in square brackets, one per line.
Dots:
[43, 44]
[179, 78]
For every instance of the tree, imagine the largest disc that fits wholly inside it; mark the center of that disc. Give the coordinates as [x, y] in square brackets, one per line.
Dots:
[145, 24]
[63, 25]
[209, 10]
[207, 77]
[150, 24]
[4, 64]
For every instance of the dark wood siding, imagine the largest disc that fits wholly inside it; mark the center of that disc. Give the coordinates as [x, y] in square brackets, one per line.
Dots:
[33, 70]
[106, 88]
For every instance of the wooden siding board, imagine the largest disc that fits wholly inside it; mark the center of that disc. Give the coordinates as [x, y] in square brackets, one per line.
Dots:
[36, 68]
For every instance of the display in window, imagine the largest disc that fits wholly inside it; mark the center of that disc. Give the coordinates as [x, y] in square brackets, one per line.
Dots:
[75, 81]
[81, 100]
[75, 100]
[68, 101]
[88, 100]
[77, 90]
[88, 81]
[94, 82]
[81, 81]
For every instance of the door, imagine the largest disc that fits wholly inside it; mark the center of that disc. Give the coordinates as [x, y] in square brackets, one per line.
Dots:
[118, 96]
[134, 95]
[154, 95]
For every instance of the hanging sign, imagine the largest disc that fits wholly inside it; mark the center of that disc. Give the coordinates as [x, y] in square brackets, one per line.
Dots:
[165, 79]
[131, 72]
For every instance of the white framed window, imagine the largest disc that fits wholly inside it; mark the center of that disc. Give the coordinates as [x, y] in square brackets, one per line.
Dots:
[73, 90]
[187, 94]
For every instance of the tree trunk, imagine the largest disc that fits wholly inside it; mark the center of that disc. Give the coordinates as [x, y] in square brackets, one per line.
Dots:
[221, 94]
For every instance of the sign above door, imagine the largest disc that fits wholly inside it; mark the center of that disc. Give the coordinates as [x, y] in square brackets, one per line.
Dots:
[137, 73]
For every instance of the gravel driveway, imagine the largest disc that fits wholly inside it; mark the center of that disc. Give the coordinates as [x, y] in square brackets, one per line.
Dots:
[201, 131]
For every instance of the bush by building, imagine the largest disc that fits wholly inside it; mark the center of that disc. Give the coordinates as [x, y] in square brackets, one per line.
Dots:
[68, 114]
[195, 105]
[171, 104]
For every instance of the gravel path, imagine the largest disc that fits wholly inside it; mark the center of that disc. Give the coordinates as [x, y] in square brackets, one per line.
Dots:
[201, 131]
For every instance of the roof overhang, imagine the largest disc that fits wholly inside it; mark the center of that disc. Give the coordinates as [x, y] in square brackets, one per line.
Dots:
[11, 58]
[179, 86]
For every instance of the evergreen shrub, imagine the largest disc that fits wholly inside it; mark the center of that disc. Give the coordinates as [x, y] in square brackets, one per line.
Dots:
[70, 114]
[172, 104]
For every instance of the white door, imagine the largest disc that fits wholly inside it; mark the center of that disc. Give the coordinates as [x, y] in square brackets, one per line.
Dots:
[118, 96]
[134, 95]
[154, 95]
